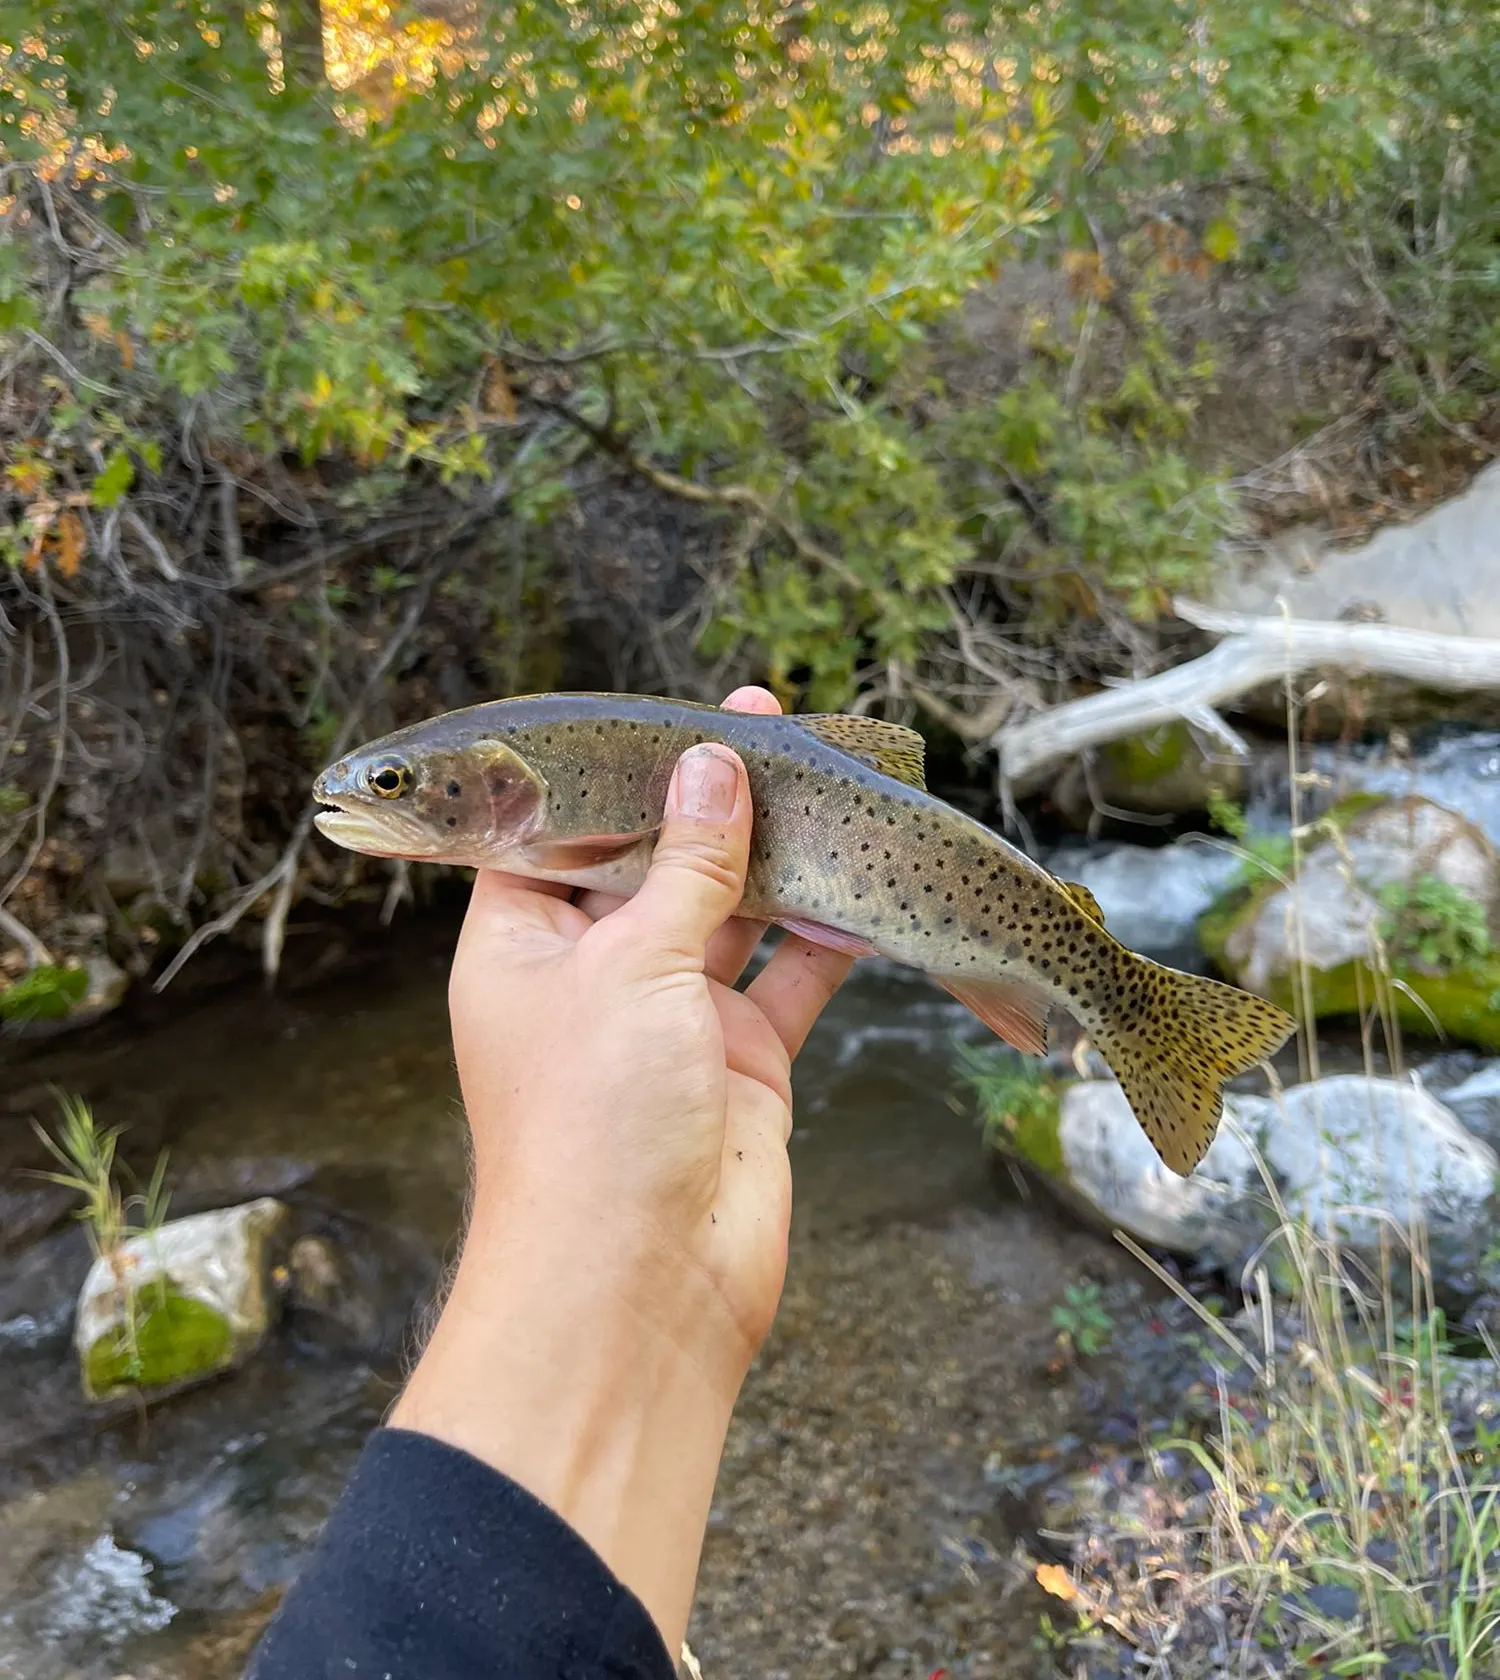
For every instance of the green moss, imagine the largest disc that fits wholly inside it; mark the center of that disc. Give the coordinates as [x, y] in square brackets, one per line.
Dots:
[1227, 911]
[1141, 759]
[47, 992]
[1352, 805]
[1032, 1132]
[177, 1340]
[1462, 1002]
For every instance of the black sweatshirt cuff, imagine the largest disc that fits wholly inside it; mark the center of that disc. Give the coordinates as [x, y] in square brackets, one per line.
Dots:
[434, 1566]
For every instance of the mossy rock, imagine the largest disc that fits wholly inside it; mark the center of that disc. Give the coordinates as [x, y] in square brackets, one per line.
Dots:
[1148, 757]
[1163, 771]
[1465, 1003]
[203, 1298]
[178, 1340]
[1029, 1132]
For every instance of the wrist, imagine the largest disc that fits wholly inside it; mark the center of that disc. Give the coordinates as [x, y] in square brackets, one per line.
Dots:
[584, 1376]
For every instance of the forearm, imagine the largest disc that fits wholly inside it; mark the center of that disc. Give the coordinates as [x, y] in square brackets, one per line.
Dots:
[572, 1367]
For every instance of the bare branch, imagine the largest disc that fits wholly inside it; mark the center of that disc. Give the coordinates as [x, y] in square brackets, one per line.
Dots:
[18, 933]
[1255, 651]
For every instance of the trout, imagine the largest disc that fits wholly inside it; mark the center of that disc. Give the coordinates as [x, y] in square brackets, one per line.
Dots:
[848, 849]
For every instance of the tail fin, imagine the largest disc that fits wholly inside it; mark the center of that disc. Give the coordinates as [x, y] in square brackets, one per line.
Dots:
[1175, 1041]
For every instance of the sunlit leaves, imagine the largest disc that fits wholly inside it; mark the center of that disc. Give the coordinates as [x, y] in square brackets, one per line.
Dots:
[114, 479]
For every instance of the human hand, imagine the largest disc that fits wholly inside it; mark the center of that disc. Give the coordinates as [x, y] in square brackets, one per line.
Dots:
[630, 1112]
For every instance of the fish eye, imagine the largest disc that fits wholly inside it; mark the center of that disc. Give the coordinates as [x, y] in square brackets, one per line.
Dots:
[390, 778]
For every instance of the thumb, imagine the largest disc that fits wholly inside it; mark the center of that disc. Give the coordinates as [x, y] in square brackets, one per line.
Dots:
[697, 871]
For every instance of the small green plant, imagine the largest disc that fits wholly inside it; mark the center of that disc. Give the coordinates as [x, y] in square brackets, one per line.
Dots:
[86, 1154]
[47, 992]
[1352, 1510]
[1262, 856]
[1018, 1102]
[1430, 921]
[13, 800]
[1082, 1318]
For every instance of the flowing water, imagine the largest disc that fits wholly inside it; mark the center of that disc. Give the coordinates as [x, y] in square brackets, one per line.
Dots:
[875, 1478]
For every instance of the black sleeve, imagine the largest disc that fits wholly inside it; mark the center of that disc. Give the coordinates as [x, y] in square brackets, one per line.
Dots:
[433, 1566]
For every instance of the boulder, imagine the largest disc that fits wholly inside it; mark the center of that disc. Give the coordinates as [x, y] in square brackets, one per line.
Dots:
[180, 1304]
[1333, 920]
[1437, 572]
[1366, 1155]
[1440, 571]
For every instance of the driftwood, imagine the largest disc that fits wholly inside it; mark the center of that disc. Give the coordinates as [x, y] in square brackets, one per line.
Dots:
[1254, 651]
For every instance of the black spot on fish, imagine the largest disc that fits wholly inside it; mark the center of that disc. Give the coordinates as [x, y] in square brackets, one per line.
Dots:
[453, 790]
[453, 822]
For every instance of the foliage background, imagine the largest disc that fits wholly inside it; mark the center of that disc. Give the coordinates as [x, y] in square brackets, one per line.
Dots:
[363, 360]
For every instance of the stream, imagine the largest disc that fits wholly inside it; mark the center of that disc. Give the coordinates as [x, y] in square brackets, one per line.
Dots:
[856, 1528]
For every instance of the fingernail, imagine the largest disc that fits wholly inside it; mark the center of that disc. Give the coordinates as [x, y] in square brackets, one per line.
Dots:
[707, 784]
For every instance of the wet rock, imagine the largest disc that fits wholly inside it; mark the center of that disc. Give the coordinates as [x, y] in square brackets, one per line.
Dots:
[1110, 1163]
[1476, 1102]
[1164, 772]
[38, 1290]
[1346, 1150]
[193, 1299]
[107, 985]
[1151, 896]
[86, 989]
[1333, 919]
[324, 1287]
[1459, 769]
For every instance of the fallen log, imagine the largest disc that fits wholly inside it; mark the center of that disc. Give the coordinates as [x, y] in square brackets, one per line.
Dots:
[1255, 651]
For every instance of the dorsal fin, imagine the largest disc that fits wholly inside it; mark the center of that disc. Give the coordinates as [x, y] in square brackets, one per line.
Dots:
[1082, 899]
[886, 747]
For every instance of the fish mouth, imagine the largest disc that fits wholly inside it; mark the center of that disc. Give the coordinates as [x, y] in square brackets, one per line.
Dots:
[358, 829]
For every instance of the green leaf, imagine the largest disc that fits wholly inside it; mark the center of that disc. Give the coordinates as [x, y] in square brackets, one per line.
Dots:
[1221, 239]
[1086, 101]
[116, 478]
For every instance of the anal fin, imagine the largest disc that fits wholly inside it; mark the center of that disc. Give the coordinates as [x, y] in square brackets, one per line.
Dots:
[831, 938]
[1015, 1013]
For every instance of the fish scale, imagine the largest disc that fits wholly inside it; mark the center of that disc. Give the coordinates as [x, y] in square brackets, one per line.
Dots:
[848, 849]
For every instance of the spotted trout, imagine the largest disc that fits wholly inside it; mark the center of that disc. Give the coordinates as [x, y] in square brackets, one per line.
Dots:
[848, 849]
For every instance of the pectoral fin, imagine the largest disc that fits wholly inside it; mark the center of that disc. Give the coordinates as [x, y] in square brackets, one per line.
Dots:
[583, 851]
[831, 938]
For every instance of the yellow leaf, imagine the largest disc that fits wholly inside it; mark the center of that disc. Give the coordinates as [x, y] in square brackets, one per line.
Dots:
[72, 540]
[1053, 1578]
[496, 397]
